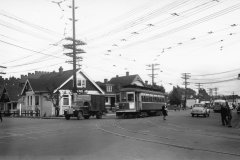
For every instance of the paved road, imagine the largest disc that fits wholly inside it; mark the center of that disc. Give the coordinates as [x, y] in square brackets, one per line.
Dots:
[179, 137]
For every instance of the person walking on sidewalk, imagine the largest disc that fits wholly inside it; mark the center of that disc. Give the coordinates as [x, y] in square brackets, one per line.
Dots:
[164, 111]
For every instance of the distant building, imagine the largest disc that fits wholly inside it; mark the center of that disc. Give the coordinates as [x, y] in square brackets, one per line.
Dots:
[9, 98]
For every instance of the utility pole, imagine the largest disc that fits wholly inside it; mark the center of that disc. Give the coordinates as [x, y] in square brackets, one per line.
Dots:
[75, 50]
[185, 77]
[153, 75]
[2, 67]
[216, 90]
[233, 97]
[199, 87]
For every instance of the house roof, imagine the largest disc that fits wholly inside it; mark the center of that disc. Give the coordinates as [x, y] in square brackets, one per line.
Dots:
[50, 81]
[123, 80]
[12, 91]
[53, 81]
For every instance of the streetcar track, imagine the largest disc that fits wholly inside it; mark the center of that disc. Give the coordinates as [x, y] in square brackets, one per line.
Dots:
[193, 131]
[144, 133]
[164, 143]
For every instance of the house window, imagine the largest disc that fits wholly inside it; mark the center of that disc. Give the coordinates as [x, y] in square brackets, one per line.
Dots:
[31, 100]
[36, 100]
[65, 100]
[28, 100]
[81, 83]
[106, 99]
[109, 88]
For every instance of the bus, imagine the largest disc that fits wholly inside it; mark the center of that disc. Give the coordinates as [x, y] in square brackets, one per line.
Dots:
[138, 101]
[217, 105]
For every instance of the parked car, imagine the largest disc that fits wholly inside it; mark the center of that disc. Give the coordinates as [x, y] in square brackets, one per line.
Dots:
[200, 109]
[238, 109]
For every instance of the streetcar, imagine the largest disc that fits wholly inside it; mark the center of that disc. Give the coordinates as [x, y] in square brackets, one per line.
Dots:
[139, 101]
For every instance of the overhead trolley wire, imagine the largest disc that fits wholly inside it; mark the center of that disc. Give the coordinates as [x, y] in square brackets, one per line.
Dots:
[141, 19]
[188, 25]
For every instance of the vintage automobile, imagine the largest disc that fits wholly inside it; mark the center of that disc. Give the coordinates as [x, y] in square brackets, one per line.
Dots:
[200, 109]
[238, 109]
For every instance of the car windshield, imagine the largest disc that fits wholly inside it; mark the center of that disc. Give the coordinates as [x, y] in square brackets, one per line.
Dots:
[198, 105]
[197, 108]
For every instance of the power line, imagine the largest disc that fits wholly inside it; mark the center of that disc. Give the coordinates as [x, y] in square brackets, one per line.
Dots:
[238, 69]
[29, 49]
[13, 17]
[36, 68]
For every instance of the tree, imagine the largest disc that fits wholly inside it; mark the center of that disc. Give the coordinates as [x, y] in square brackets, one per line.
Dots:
[203, 95]
[54, 97]
[161, 88]
[175, 96]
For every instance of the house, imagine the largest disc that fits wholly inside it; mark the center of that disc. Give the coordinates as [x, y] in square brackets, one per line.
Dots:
[51, 93]
[9, 98]
[112, 88]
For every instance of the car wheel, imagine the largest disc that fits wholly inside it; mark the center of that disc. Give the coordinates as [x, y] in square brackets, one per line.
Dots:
[192, 115]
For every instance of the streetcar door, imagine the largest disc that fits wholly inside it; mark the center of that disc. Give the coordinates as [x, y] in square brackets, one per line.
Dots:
[131, 100]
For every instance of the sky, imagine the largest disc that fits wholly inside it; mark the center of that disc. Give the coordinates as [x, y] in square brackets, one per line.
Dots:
[199, 37]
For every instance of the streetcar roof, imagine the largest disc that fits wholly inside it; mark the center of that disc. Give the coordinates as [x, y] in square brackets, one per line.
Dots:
[141, 89]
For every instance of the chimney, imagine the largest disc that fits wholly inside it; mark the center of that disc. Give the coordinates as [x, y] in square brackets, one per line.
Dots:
[105, 81]
[146, 82]
[60, 70]
[127, 73]
[116, 76]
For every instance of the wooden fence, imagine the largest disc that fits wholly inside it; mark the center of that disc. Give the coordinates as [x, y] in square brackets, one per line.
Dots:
[23, 113]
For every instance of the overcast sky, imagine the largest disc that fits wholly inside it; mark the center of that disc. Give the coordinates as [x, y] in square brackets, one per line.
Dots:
[200, 37]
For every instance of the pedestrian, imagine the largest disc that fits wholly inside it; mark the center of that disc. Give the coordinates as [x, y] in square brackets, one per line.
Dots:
[229, 115]
[164, 111]
[224, 115]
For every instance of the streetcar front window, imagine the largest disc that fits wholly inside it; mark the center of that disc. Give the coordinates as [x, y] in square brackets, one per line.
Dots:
[123, 96]
[130, 97]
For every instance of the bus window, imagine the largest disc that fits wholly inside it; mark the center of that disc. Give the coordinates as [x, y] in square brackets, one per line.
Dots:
[130, 97]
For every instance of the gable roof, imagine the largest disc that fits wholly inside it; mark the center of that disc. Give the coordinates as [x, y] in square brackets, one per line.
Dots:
[124, 80]
[12, 91]
[54, 81]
